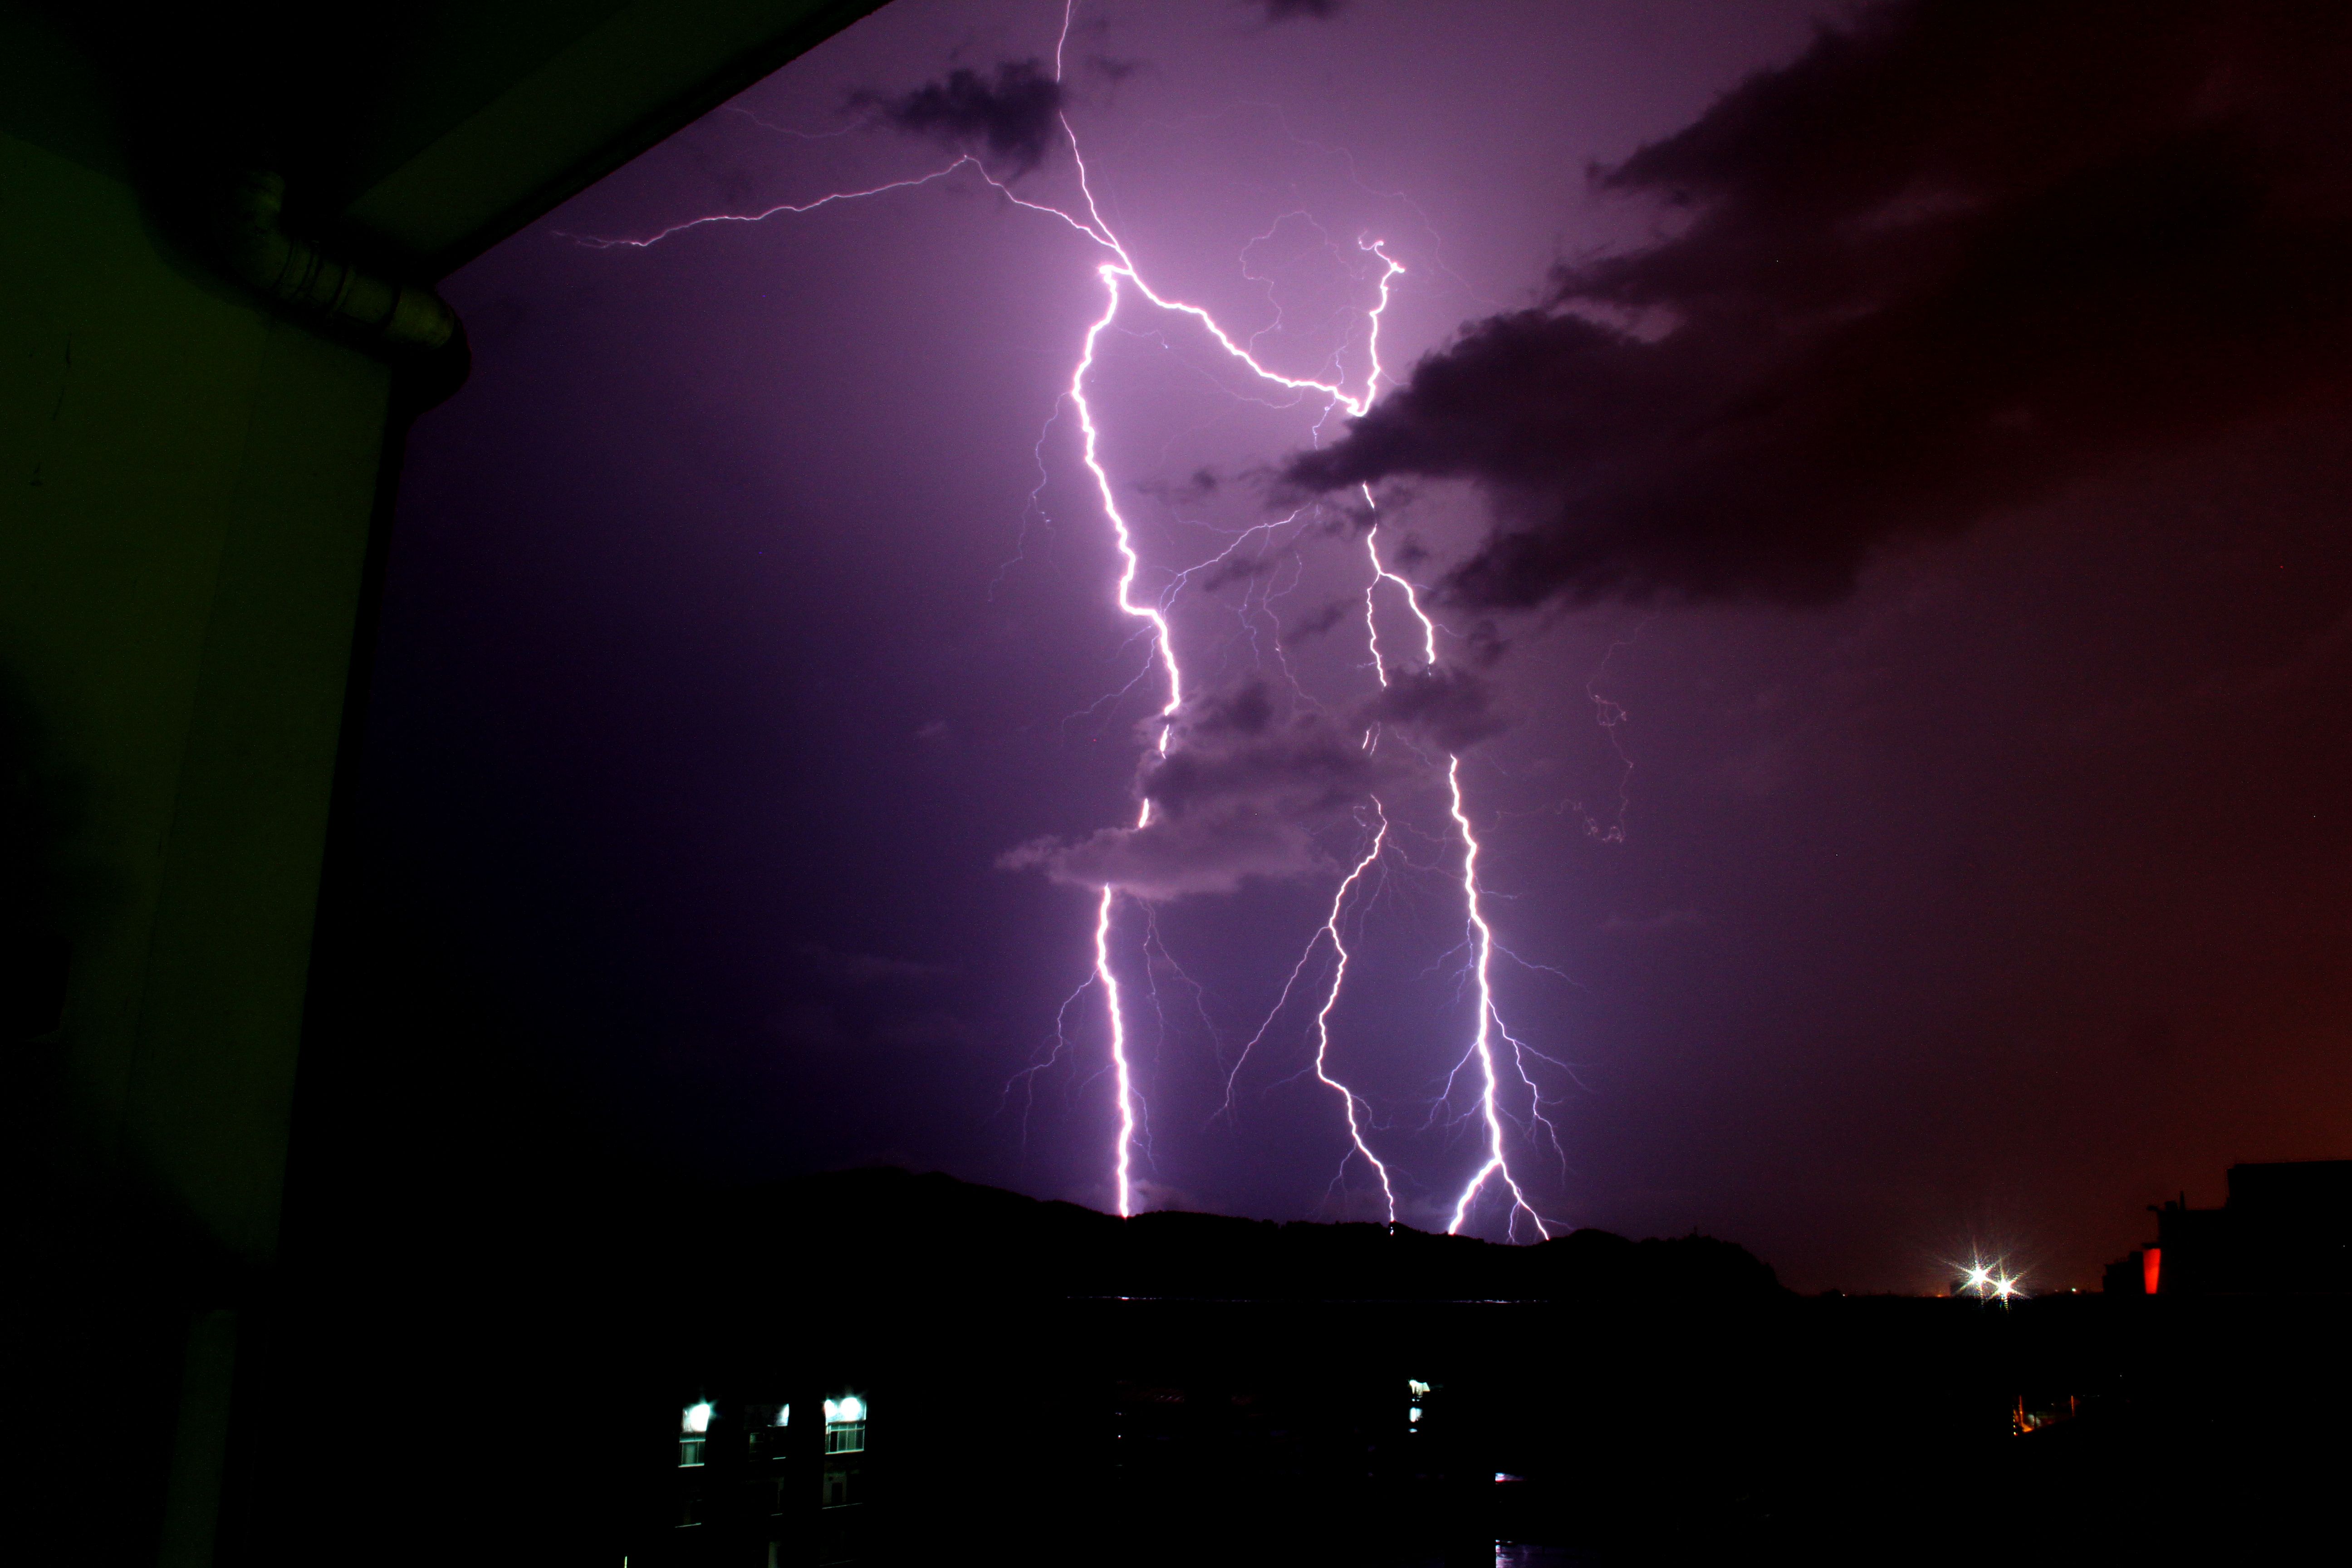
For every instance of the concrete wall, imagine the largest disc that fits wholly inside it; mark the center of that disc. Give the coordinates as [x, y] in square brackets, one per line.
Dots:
[188, 490]
[186, 487]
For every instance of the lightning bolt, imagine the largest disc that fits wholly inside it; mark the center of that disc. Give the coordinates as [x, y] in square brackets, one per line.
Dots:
[1118, 276]
[1122, 279]
[1348, 1099]
[1482, 1045]
[1164, 649]
[1496, 1167]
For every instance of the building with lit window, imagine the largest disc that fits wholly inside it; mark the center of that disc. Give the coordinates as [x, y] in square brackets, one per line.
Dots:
[843, 1534]
[750, 1488]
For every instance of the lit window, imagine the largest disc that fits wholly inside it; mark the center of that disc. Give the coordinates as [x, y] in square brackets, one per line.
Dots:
[845, 1425]
[690, 1451]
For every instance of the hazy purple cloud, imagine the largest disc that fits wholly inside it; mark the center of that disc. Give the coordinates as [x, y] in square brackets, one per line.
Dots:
[1243, 790]
[1240, 793]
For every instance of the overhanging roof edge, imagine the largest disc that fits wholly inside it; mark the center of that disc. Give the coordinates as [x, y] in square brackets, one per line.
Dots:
[651, 68]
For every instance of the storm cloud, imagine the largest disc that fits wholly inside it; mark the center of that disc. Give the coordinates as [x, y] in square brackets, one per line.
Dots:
[1239, 793]
[1242, 791]
[1015, 116]
[1451, 708]
[1956, 255]
[1296, 10]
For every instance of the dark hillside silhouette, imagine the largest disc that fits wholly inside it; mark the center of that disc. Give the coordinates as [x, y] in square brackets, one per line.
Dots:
[883, 1225]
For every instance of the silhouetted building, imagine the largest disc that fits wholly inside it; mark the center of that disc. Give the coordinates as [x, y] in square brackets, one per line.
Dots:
[766, 1482]
[2134, 1274]
[2285, 1229]
[1056, 1386]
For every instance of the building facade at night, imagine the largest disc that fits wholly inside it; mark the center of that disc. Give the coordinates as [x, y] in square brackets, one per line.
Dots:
[764, 1483]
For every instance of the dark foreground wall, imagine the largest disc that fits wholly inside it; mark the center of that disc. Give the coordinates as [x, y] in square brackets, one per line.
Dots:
[198, 433]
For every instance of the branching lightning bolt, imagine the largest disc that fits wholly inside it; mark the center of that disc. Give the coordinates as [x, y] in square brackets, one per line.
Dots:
[1119, 274]
[1116, 276]
[1482, 1046]
[1349, 1099]
[1496, 1167]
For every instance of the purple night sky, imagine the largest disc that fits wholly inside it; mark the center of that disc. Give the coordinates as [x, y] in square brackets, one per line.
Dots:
[1883, 490]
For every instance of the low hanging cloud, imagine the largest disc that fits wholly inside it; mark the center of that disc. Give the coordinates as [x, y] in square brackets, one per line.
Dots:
[1175, 857]
[1243, 791]
[1956, 256]
[1015, 116]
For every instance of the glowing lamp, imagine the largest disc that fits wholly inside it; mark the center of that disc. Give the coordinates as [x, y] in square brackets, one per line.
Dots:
[1412, 1413]
[853, 1408]
[696, 1417]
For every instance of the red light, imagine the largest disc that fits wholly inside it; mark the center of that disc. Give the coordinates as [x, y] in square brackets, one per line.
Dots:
[2148, 1262]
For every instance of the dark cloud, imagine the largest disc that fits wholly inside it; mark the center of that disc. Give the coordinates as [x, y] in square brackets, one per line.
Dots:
[1242, 789]
[1954, 256]
[1298, 10]
[1451, 708]
[1015, 116]
[1242, 569]
[1200, 486]
[1320, 623]
[1304, 767]
[1240, 793]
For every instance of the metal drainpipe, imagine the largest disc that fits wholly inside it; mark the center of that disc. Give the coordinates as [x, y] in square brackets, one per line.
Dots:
[398, 317]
